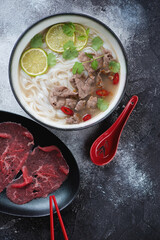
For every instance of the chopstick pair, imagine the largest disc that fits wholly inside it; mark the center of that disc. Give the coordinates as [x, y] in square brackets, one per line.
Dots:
[59, 216]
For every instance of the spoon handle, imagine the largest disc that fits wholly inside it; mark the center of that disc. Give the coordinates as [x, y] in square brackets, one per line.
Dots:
[122, 119]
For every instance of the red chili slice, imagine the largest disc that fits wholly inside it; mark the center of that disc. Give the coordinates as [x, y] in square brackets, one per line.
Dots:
[67, 111]
[116, 78]
[102, 92]
[86, 117]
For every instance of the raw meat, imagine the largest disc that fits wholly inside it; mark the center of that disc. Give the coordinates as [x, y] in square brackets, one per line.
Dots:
[46, 171]
[16, 142]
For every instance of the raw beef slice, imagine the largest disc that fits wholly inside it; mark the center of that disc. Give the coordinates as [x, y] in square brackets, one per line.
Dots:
[15, 144]
[44, 172]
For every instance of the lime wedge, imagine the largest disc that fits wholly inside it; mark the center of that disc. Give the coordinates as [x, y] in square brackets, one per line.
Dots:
[34, 61]
[81, 37]
[56, 38]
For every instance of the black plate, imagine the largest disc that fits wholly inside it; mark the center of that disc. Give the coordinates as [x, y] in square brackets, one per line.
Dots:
[65, 194]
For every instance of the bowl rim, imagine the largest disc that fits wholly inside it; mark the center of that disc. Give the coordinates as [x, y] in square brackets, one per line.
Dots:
[67, 14]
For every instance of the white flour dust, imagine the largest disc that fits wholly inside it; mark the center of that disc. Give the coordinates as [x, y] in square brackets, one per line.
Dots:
[132, 180]
[121, 181]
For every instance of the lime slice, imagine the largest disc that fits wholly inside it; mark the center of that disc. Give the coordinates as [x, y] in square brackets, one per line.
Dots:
[80, 33]
[56, 38]
[34, 61]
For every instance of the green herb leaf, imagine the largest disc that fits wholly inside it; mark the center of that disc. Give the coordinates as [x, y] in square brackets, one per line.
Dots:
[69, 44]
[77, 68]
[94, 64]
[102, 104]
[70, 51]
[69, 29]
[97, 43]
[87, 32]
[89, 55]
[70, 54]
[82, 37]
[51, 59]
[114, 66]
[36, 41]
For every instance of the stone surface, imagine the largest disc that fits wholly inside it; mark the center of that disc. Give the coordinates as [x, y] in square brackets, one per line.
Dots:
[120, 200]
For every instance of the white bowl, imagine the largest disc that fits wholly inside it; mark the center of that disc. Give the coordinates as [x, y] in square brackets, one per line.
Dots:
[41, 25]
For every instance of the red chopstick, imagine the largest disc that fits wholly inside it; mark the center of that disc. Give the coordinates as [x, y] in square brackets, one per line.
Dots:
[59, 216]
[51, 218]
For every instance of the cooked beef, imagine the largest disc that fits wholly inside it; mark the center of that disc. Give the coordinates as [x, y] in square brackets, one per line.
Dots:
[56, 102]
[107, 58]
[72, 81]
[77, 77]
[71, 103]
[48, 170]
[62, 91]
[92, 102]
[99, 81]
[16, 142]
[99, 60]
[74, 119]
[57, 96]
[85, 87]
[83, 58]
[80, 105]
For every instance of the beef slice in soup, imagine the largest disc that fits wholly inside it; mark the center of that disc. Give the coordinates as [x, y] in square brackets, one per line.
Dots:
[85, 86]
[71, 103]
[74, 119]
[62, 91]
[80, 105]
[92, 102]
[16, 142]
[47, 169]
[107, 58]
[83, 58]
[58, 95]
[56, 102]
[103, 62]
[99, 81]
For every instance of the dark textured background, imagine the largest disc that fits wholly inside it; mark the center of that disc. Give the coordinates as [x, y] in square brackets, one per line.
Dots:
[120, 201]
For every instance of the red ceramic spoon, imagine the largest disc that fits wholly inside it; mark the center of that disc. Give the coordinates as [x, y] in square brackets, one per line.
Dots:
[104, 147]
